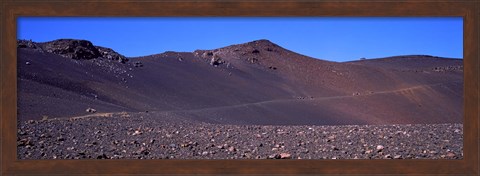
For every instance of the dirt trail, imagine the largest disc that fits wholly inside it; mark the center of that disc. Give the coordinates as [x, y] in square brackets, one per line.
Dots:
[101, 114]
[276, 101]
[312, 99]
[415, 87]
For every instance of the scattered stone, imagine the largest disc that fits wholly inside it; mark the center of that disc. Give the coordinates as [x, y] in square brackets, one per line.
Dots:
[216, 60]
[24, 142]
[102, 156]
[285, 156]
[274, 156]
[121, 138]
[272, 67]
[232, 149]
[137, 132]
[143, 151]
[380, 147]
[70, 148]
[330, 138]
[138, 64]
[207, 54]
[60, 138]
[111, 54]
[252, 60]
[91, 110]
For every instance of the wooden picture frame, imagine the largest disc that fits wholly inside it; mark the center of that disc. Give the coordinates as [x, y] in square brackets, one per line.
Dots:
[11, 10]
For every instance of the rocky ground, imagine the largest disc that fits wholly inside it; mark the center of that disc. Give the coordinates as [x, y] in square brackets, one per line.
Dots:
[154, 135]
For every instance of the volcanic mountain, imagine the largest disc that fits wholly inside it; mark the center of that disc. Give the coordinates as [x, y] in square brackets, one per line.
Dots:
[256, 83]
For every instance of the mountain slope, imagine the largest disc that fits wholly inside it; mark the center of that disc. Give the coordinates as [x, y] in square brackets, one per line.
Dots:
[252, 83]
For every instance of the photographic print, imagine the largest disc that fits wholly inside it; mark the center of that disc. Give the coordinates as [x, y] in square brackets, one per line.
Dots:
[240, 88]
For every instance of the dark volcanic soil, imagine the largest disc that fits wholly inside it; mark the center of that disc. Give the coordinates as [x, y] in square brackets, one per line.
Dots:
[165, 136]
[251, 100]
[253, 83]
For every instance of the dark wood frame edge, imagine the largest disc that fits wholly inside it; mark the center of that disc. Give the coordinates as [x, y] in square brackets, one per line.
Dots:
[10, 10]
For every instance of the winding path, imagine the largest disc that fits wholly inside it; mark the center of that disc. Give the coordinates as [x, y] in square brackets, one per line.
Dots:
[310, 99]
[275, 101]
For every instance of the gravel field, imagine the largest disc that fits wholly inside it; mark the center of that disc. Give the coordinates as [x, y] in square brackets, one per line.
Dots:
[167, 136]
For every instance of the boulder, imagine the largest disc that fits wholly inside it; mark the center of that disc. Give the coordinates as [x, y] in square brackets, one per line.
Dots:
[252, 60]
[285, 156]
[272, 67]
[380, 147]
[207, 54]
[91, 110]
[216, 60]
[137, 64]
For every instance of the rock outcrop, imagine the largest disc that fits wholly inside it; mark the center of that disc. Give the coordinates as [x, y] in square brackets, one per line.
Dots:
[26, 44]
[110, 54]
[74, 49]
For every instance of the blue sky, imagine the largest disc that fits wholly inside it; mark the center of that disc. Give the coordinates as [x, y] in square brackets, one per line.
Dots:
[329, 38]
